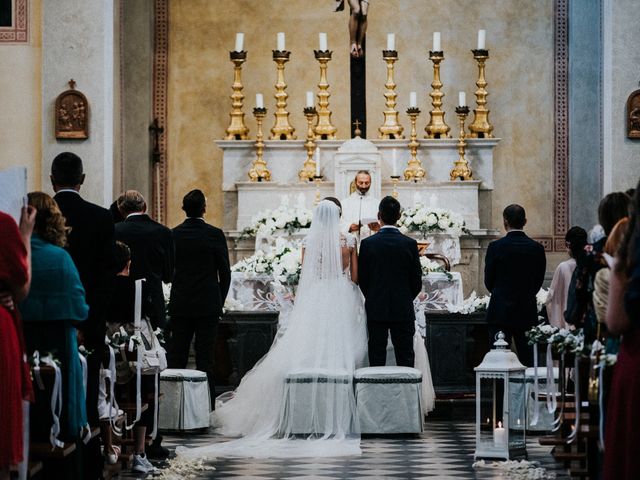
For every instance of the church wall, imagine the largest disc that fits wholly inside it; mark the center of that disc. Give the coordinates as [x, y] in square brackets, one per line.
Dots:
[20, 78]
[621, 72]
[519, 72]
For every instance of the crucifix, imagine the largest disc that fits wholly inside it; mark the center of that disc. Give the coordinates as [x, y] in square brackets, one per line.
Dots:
[156, 130]
[357, 132]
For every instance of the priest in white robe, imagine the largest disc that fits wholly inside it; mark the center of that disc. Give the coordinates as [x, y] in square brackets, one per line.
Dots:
[360, 209]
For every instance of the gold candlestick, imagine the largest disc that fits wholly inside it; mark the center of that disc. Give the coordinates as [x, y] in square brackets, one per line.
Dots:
[480, 127]
[324, 130]
[317, 179]
[309, 168]
[237, 130]
[259, 171]
[414, 170]
[394, 180]
[282, 129]
[437, 128]
[461, 168]
[391, 127]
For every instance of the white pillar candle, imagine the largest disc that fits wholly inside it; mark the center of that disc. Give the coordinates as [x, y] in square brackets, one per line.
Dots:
[239, 41]
[499, 436]
[323, 42]
[413, 100]
[317, 161]
[436, 42]
[281, 41]
[309, 99]
[462, 99]
[482, 37]
[391, 41]
[259, 100]
[395, 162]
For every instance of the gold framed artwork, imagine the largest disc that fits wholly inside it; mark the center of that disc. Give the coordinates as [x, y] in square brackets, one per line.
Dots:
[72, 114]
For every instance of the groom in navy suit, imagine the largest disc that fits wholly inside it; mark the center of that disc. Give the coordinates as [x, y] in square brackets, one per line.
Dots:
[390, 277]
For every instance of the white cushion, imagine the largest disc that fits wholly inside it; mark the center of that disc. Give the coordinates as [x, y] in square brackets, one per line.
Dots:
[182, 374]
[186, 402]
[542, 373]
[388, 373]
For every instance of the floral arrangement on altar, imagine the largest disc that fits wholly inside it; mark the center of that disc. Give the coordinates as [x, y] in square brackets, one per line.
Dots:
[283, 218]
[560, 339]
[473, 303]
[431, 266]
[284, 262]
[431, 220]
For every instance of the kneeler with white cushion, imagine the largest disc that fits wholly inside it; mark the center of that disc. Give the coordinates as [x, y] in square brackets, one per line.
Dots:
[311, 399]
[186, 403]
[388, 399]
[545, 418]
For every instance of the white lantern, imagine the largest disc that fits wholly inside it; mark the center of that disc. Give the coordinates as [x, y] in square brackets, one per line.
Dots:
[500, 414]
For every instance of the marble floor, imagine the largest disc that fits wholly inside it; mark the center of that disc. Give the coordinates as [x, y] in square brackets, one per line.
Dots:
[443, 451]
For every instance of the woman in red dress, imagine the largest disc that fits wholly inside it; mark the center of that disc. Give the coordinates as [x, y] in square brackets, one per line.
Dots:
[15, 383]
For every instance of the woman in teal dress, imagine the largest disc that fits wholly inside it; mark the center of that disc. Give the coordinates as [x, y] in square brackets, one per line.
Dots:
[56, 302]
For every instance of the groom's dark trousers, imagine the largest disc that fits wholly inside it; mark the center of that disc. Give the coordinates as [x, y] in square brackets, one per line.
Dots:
[390, 277]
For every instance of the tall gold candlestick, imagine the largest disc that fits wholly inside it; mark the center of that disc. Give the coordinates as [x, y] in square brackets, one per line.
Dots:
[394, 180]
[480, 127]
[437, 127]
[282, 129]
[414, 170]
[324, 130]
[461, 168]
[259, 171]
[237, 130]
[391, 127]
[317, 179]
[309, 168]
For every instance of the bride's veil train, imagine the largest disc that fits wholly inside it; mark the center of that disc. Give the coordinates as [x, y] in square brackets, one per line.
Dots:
[298, 400]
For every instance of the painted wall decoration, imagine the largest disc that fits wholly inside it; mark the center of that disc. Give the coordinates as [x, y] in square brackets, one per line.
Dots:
[72, 114]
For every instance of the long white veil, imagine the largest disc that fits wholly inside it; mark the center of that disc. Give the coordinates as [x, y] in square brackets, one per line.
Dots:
[298, 400]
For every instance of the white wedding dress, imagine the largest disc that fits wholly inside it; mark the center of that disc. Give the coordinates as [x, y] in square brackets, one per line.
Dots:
[326, 332]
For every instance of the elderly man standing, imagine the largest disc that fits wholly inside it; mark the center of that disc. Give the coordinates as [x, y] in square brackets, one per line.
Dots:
[360, 209]
[200, 285]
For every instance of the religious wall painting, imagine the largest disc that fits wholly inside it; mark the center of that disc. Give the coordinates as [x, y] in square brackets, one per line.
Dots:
[633, 115]
[72, 114]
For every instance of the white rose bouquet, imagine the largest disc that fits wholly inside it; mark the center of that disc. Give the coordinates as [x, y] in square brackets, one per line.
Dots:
[473, 303]
[429, 266]
[283, 218]
[284, 262]
[431, 220]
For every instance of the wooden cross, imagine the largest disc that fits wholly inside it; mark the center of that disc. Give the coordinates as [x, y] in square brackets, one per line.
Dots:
[156, 131]
[72, 84]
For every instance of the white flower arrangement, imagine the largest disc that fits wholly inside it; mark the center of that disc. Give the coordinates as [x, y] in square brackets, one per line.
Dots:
[284, 219]
[431, 266]
[231, 304]
[541, 298]
[431, 220]
[560, 339]
[284, 262]
[473, 303]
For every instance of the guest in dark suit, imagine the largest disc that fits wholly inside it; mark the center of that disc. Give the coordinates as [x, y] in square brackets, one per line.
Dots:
[513, 273]
[91, 246]
[152, 253]
[200, 285]
[390, 278]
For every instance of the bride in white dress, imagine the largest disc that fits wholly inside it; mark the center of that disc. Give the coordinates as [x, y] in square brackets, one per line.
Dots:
[324, 342]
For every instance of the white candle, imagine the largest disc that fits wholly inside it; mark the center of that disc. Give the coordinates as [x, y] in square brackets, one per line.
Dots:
[317, 161]
[395, 162]
[239, 41]
[309, 99]
[413, 100]
[259, 100]
[499, 436]
[482, 37]
[436, 42]
[462, 99]
[391, 41]
[323, 42]
[281, 41]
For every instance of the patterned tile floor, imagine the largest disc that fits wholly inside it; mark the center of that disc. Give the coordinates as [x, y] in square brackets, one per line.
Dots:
[443, 451]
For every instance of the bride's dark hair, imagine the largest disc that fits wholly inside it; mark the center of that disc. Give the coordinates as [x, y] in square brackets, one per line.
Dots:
[336, 201]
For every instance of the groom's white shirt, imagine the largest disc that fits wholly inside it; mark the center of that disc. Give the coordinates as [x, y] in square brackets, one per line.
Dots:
[357, 207]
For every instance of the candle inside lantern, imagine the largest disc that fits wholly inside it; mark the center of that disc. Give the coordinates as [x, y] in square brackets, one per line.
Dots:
[391, 41]
[309, 99]
[395, 162]
[462, 99]
[499, 435]
[281, 41]
[482, 37]
[323, 42]
[413, 100]
[239, 41]
[436, 42]
[259, 100]
[317, 161]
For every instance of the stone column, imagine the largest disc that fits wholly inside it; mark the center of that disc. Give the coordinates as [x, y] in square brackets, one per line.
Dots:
[78, 43]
